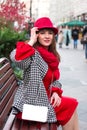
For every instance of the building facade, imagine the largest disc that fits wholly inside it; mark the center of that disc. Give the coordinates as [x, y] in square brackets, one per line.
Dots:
[58, 11]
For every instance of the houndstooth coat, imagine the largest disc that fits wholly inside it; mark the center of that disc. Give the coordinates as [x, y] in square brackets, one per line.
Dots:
[32, 91]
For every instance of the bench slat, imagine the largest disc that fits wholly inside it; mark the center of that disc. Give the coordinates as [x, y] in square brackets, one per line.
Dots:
[6, 110]
[10, 80]
[3, 60]
[7, 96]
[6, 76]
[4, 68]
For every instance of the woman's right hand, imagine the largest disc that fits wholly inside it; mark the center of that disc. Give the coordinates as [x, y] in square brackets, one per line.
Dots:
[55, 100]
[34, 36]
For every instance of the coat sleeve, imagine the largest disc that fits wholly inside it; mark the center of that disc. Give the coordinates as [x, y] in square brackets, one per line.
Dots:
[22, 55]
[56, 87]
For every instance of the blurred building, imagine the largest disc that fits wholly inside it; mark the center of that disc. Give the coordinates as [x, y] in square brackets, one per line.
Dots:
[80, 10]
[60, 10]
[66, 10]
[57, 10]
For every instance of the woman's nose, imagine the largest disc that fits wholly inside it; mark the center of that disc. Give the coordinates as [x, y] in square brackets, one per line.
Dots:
[47, 35]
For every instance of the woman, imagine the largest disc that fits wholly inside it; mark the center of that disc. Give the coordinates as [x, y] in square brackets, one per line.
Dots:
[39, 60]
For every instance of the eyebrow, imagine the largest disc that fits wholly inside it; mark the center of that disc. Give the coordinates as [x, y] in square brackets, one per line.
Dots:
[47, 29]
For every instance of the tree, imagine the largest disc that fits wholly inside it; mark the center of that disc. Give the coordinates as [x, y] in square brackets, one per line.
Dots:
[12, 10]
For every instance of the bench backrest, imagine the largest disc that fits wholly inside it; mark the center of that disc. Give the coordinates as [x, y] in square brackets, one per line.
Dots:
[8, 86]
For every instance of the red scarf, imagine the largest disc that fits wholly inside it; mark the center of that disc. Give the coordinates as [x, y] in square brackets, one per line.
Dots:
[49, 57]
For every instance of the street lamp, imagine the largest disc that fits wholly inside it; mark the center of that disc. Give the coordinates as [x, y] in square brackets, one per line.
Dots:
[30, 23]
[30, 8]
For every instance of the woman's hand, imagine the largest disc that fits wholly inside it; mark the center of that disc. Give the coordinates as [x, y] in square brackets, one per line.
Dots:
[55, 99]
[34, 36]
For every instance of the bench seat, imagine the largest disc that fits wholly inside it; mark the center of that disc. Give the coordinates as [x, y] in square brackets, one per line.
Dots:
[14, 123]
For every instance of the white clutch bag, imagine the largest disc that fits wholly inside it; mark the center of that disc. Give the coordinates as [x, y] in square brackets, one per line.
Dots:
[35, 113]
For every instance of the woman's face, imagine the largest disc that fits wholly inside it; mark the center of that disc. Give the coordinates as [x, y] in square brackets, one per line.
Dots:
[45, 37]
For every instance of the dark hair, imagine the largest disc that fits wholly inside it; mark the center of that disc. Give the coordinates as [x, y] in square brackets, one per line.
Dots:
[52, 47]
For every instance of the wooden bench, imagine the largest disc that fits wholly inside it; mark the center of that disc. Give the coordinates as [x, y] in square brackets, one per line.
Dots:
[8, 87]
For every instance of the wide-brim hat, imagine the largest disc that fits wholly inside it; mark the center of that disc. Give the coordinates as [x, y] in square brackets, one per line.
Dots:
[45, 22]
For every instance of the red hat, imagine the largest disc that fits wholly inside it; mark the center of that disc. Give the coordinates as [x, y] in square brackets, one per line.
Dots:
[45, 22]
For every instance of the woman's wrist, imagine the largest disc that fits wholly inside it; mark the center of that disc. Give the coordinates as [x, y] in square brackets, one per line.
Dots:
[31, 42]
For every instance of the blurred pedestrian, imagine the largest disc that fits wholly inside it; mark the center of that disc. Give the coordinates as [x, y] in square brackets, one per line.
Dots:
[67, 36]
[85, 41]
[40, 61]
[81, 36]
[60, 38]
[75, 36]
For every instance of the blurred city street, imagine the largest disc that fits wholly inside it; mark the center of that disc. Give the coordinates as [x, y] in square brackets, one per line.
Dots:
[73, 70]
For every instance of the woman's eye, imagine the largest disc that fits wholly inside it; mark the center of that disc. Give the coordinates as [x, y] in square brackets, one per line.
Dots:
[44, 31]
[50, 32]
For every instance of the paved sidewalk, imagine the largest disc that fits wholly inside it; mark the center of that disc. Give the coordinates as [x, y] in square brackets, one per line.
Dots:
[73, 70]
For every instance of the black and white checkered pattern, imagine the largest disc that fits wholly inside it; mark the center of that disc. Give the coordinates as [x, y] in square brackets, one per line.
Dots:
[32, 91]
